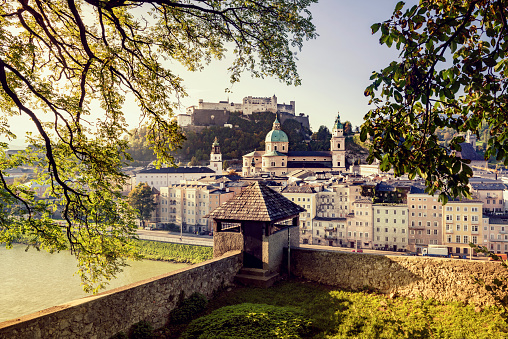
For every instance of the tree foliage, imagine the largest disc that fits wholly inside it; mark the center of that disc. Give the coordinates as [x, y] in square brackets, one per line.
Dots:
[452, 72]
[62, 60]
[142, 200]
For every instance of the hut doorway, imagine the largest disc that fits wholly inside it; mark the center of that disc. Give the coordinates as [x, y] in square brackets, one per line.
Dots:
[253, 245]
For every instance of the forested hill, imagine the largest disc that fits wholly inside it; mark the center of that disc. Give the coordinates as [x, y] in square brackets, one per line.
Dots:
[248, 134]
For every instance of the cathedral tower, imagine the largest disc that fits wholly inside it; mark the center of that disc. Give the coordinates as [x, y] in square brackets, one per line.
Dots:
[216, 157]
[338, 146]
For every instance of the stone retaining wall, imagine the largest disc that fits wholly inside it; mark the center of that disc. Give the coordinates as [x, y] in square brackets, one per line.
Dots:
[439, 278]
[105, 314]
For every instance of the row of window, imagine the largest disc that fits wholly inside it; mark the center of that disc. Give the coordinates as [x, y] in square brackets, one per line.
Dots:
[403, 230]
[403, 221]
[450, 208]
[449, 217]
[464, 238]
[424, 207]
[474, 228]
[378, 211]
[429, 232]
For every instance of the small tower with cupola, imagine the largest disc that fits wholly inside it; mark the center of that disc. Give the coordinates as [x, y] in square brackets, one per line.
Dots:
[216, 157]
[338, 146]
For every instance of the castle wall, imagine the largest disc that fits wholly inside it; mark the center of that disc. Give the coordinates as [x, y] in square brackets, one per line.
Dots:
[413, 277]
[302, 119]
[210, 117]
[105, 314]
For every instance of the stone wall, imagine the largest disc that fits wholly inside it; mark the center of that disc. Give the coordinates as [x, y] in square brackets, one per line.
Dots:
[107, 313]
[210, 117]
[273, 247]
[439, 278]
[302, 119]
[224, 242]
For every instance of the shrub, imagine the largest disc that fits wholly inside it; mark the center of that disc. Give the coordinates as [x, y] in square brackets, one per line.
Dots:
[189, 308]
[119, 335]
[251, 321]
[141, 330]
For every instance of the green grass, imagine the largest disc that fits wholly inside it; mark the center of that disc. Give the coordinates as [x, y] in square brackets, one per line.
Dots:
[339, 314]
[191, 254]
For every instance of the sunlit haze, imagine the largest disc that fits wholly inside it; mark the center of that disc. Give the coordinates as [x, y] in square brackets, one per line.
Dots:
[335, 70]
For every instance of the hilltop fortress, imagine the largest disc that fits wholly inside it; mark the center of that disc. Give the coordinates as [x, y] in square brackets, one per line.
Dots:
[217, 113]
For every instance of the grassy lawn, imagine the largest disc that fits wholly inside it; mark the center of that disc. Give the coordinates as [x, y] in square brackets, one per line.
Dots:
[191, 254]
[308, 310]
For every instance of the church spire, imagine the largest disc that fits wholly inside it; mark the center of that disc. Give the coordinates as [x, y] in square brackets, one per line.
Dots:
[276, 123]
[338, 124]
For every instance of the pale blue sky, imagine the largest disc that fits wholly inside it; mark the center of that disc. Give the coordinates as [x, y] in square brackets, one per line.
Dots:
[335, 69]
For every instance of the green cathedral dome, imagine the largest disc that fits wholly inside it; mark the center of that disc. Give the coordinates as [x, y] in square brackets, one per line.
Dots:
[276, 135]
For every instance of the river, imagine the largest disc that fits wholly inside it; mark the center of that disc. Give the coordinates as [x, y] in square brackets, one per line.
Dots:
[32, 281]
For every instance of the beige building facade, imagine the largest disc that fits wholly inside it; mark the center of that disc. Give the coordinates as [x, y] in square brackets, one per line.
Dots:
[391, 226]
[425, 221]
[463, 224]
[304, 196]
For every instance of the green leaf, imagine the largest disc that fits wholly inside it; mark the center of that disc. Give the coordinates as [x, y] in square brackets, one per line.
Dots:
[398, 96]
[399, 6]
[375, 28]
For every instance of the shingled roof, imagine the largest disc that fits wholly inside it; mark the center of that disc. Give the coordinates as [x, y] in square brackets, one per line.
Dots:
[257, 202]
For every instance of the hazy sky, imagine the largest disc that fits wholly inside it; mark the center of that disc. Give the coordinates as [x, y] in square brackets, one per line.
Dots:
[335, 69]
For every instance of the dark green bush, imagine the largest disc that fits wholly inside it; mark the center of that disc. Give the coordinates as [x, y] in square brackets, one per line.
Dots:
[119, 335]
[188, 308]
[141, 330]
[251, 321]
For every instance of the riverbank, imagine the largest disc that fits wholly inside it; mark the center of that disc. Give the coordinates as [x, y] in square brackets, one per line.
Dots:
[159, 251]
[178, 253]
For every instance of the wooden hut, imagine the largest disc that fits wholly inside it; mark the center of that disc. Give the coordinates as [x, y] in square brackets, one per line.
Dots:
[260, 222]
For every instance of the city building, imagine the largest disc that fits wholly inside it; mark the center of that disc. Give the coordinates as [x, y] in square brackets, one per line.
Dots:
[490, 192]
[360, 225]
[425, 220]
[496, 234]
[463, 224]
[166, 176]
[390, 226]
[304, 196]
[187, 205]
[277, 159]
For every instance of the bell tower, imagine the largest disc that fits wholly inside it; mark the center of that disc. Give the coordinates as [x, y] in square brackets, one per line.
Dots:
[338, 146]
[216, 157]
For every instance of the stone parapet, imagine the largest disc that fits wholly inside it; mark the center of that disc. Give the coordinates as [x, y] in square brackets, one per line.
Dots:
[413, 277]
[107, 313]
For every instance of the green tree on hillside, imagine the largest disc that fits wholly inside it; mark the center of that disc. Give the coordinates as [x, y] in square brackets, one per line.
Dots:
[58, 57]
[320, 140]
[453, 72]
[194, 162]
[142, 200]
